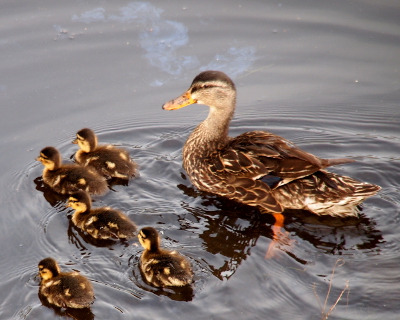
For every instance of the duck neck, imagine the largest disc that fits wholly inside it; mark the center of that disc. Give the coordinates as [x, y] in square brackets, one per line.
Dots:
[212, 133]
[80, 213]
[154, 246]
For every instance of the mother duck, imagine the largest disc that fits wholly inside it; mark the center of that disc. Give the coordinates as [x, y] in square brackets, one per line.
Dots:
[259, 168]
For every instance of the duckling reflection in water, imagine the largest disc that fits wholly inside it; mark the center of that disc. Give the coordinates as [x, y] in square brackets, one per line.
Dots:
[68, 178]
[259, 168]
[100, 223]
[64, 289]
[160, 267]
[109, 161]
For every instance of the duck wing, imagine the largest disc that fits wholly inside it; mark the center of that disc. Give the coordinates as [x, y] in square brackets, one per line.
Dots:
[266, 156]
[254, 163]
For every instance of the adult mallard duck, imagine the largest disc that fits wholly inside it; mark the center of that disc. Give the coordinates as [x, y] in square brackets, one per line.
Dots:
[64, 289]
[100, 223]
[259, 168]
[160, 267]
[68, 178]
[108, 160]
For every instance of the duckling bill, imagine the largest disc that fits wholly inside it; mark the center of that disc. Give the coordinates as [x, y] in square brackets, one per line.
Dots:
[160, 267]
[100, 223]
[64, 289]
[68, 178]
[108, 160]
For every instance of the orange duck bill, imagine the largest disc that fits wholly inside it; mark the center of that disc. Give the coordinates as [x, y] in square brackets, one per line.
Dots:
[180, 102]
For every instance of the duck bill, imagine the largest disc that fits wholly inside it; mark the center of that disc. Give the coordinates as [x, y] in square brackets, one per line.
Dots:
[75, 141]
[180, 102]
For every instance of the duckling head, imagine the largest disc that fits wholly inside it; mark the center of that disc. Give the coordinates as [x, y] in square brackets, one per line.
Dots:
[50, 158]
[48, 268]
[80, 201]
[149, 239]
[86, 140]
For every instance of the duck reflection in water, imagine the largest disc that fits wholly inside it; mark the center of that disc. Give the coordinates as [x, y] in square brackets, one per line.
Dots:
[259, 168]
[231, 230]
[53, 198]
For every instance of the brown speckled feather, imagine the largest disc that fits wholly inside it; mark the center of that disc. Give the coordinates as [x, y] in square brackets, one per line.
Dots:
[326, 193]
[258, 153]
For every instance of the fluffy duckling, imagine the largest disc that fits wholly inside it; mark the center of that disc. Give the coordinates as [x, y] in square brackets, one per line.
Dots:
[64, 289]
[110, 161]
[162, 268]
[68, 178]
[100, 223]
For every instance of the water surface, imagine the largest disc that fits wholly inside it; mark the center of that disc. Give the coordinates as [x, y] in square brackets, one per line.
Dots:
[324, 75]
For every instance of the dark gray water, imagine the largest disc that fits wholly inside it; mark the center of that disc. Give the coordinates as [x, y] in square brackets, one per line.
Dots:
[324, 74]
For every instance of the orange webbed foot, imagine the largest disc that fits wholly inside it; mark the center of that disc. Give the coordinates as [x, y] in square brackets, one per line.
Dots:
[280, 240]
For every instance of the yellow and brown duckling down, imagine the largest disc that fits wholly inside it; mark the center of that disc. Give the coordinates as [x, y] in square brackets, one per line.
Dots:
[109, 161]
[64, 289]
[68, 178]
[259, 168]
[100, 223]
[160, 267]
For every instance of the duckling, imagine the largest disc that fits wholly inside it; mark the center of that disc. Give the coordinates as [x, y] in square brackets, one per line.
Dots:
[162, 268]
[68, 178]
[110, 161]
[64, 289]
[100, 223]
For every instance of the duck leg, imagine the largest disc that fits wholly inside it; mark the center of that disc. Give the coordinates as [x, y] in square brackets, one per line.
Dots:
[278, 238]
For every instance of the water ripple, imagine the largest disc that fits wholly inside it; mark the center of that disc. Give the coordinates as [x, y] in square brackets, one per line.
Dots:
[161, 39]
[224, 241]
